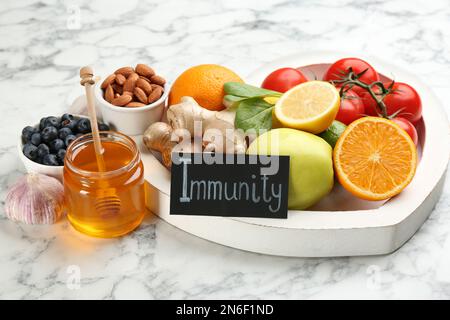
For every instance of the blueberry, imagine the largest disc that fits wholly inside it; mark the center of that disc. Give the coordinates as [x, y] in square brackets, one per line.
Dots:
[42, 150]
[42, 123]
[30, 151]
[69, 139]
[103, 127]
[50, 160]
[60, 155]
[49, 134]
[67, 116]
[56, 144]
[36, 138]
[64, 132]
[52, 122]
[84, 125]
[71, 124]
[27, 132]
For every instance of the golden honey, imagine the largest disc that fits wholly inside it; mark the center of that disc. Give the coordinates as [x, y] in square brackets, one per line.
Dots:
[110, 203]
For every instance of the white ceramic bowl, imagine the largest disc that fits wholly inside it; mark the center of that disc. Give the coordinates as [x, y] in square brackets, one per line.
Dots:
[31, 166]
[131, 121]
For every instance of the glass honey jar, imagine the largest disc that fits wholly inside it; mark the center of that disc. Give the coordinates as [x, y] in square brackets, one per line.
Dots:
[107, 203]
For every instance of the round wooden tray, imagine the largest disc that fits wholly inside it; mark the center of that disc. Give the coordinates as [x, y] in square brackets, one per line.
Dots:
[340, 225]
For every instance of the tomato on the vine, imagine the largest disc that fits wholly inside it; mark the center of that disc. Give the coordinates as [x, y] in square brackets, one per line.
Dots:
[283, 79]
[351, 108]
[408, 127]
[403, 100]
[341, 67]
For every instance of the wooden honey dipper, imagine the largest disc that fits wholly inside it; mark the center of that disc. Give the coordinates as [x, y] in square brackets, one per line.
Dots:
[107, 201]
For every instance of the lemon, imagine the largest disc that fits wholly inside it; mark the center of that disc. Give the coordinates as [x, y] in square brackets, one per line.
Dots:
[311, 173]
[311, 106]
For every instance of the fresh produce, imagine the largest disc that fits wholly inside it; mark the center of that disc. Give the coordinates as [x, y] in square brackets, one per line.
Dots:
[35, 199]
[254, 105]
[400, 99]
[408, 127]
[158, 137]
[365, 72]
[332, 134]
[311, 106]
[45, 144]
[369, 154]
[205, 84]
[351, 107]
[374, 158]
[311, 165]
[133, 87]
[283, 79]
[218, 131]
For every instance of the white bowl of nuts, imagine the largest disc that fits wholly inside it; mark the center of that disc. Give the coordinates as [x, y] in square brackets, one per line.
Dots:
[131, 99]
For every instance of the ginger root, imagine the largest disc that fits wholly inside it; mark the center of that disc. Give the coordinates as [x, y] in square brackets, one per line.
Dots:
[188, 120]
[158, 137]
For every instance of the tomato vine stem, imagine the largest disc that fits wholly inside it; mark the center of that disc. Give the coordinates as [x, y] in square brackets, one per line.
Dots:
[350, 79]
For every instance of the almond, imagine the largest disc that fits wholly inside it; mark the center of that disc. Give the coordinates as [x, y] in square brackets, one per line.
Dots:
[120, 79]
[128, 93]
[146, 79]
[154, 86]
[122, 100]
[140, 95]
[117, 95]
[131, 82]
[158, 80]
[109, 80]
[144, 85]
[109, 94]
[155, 95]
[125, 71]
[117, 88]
[144, 70]
[135, 105]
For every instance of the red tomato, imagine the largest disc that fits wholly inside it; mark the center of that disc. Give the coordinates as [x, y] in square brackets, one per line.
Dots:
[341, 67]
[408, 127]
[370, 105]
[351, 108]
[403, 97]
[283, 79]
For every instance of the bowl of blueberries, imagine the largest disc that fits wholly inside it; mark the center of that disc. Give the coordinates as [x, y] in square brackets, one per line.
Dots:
[42, 147]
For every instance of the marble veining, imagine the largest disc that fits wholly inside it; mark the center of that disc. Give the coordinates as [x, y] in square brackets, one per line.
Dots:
[43, 44]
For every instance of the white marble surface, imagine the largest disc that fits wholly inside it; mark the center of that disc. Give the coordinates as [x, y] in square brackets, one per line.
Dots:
[42, 45]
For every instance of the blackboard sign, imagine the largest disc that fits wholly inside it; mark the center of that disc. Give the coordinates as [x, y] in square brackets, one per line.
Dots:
[229, 185]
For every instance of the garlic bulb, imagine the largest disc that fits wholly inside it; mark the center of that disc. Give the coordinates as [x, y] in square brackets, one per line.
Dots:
[35, 199]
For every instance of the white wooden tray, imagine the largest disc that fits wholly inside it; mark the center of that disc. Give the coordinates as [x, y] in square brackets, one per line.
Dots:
[340, 225]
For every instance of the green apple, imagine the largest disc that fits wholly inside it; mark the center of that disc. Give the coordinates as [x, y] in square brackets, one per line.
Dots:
[311, 174]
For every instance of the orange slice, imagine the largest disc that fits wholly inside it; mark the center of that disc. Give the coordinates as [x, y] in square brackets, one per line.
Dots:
[374, 158]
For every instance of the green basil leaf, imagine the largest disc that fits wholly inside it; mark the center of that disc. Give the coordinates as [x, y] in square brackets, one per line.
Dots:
[254, 113]
[230, 101]
[245, 90]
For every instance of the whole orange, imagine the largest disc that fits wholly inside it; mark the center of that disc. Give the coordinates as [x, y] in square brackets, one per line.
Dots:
[204, 83]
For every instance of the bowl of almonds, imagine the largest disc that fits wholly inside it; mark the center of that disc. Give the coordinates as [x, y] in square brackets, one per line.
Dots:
[131, 99]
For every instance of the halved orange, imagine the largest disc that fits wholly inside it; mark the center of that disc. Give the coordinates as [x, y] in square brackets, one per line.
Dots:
[374, 158]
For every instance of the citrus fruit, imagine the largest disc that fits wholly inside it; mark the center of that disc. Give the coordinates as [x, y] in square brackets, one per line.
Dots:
[332, 134]
[310, 106]
[374, 158]
[204, 83]
[310, 165]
